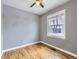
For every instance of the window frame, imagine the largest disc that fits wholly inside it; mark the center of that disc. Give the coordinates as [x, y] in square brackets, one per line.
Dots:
[64, 31]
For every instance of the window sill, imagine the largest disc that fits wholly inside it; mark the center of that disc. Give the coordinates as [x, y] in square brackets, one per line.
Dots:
[58, 37]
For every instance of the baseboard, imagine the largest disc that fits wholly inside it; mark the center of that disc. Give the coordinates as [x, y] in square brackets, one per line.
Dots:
[19, 47]
[72, 54]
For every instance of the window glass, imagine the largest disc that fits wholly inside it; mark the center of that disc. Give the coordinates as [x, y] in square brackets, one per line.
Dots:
[56, 24]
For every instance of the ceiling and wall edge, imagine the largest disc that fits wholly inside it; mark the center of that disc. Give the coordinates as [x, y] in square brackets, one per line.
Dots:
[35, 9]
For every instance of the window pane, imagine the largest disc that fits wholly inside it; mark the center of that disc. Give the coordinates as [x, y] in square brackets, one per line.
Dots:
[56, 24]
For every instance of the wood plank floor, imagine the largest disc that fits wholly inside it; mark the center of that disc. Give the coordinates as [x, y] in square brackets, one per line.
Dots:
[37, 51]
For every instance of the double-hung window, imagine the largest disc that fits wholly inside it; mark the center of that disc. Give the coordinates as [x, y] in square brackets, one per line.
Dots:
[56, 25]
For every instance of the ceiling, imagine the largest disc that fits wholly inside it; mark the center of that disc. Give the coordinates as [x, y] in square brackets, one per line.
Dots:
[25, 5]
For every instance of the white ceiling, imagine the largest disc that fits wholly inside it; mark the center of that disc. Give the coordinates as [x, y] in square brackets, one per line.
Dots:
[25, 5]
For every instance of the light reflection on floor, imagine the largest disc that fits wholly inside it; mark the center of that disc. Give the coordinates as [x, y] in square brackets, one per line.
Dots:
[54, 57]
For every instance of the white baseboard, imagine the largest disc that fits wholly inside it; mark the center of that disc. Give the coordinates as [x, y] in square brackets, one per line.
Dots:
[72, 54]
[20, 47]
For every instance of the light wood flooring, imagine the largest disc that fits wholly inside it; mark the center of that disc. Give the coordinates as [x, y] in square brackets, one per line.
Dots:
[37, 51]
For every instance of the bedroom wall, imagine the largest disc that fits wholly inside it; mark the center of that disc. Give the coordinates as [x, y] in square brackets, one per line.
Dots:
[70, 43]
[18, 27]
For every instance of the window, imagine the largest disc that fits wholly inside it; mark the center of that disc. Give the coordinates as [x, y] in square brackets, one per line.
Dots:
[56, 25]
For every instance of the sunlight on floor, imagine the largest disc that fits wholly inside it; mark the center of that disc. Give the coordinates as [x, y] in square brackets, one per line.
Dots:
[53, 57]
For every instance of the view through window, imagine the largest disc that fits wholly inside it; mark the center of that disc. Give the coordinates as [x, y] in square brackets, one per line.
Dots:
[56, 24]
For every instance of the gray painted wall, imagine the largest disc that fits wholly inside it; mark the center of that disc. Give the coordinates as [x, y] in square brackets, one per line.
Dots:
[70, 43]
[18, 27]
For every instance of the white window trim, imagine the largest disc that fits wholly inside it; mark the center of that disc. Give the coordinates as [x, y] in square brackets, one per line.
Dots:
[52, 15]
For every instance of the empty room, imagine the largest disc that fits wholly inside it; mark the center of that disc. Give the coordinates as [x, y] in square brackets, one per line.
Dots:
[39, 29]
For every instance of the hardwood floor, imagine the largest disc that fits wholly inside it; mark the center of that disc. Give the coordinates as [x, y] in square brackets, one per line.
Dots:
[37, 51]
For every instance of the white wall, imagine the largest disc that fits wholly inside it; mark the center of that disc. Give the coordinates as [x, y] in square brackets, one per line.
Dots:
[18, 27]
